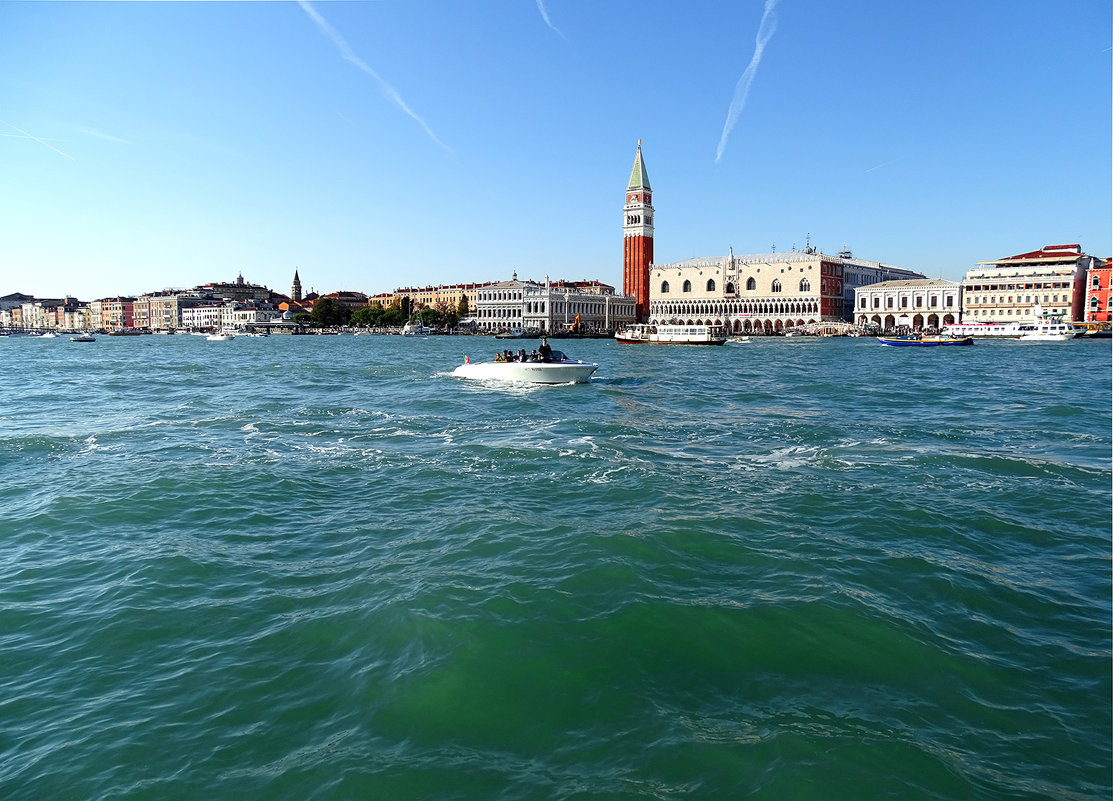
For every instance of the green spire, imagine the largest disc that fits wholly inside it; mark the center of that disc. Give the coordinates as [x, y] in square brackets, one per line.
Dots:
[639, 178]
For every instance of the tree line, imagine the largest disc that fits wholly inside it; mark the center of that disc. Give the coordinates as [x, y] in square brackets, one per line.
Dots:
[329, 312]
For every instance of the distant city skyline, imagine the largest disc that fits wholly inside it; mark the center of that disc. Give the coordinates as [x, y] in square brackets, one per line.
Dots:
[375, 145]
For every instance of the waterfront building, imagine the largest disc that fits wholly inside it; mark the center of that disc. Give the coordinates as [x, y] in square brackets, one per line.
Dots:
[766, 293]
[637, 237]
[1098, 291]
[583, 306]
[117, 312]
[551, 307]
[1009, 289]
[206, 315]
[237, 316]
[860, 272]
[240, 290]
[928, 303]
[443, 297]
[349, 300]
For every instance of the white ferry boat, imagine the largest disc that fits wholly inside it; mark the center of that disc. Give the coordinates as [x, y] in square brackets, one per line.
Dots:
[1041, 326]
[671, 334]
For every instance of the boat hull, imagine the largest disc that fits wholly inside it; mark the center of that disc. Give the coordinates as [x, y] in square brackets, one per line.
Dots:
[569, 372]
[925, 342]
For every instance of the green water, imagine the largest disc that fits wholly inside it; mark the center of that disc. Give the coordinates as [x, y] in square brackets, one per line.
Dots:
[322, 568]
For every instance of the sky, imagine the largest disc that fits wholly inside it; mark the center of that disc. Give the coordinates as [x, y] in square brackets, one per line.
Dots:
[391, 143]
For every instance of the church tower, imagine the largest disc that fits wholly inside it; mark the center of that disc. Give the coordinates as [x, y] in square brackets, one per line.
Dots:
[637, 237]
[295, 288]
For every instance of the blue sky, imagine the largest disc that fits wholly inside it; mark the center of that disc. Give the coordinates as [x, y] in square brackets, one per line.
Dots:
[410, 142]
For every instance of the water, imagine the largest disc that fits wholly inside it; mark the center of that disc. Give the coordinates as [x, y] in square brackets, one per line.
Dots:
[321, 568]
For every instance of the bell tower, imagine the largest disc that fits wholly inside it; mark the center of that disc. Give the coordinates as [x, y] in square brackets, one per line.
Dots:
[637, 236]
[295, 288]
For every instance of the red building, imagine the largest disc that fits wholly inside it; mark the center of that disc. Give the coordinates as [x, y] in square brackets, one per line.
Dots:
[1097, 291]
[637, 237]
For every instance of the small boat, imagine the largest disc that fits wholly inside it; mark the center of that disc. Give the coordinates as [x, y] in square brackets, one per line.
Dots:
[560, 370]
[220, 336]
[416, 330]
[48, 335]
[510, 333]
[83, 338]
[125, 332]
[1047, 336]
[671, 334]
[738, 339]
[916, 341]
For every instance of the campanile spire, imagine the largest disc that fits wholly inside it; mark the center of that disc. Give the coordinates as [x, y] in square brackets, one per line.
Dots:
[637, 236]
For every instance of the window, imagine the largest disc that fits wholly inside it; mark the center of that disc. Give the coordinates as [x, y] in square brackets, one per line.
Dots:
[888, 303]
[919, 301]
[805, 285]
[664, 287]
[904, 302]
[863, 305]
[730, 288]
[687, 286]
[751, 284]
[776, 286]
[876, 302]
[710, 284]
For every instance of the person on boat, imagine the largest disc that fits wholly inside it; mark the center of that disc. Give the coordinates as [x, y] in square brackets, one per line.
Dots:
[498, 357]
[545, 352]
[533, 356]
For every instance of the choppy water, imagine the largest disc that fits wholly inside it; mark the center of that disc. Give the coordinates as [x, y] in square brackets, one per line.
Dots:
[321, 568]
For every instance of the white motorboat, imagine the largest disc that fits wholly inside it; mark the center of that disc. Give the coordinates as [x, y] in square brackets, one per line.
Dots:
[220, 336]
[671, 334]
[416, 330]
[1048, 336]
[560, 370]
[738, 339]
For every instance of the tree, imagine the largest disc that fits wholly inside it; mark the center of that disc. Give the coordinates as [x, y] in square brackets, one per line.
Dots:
[328, 312]
[407, 307]
[462, 308]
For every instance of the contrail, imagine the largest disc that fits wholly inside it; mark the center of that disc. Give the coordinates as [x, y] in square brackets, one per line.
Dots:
[742, 89]
[350, 56]
[545, 16]
[41, 142]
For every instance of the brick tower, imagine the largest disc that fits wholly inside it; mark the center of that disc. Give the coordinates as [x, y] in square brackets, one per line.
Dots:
[637, 236]
[295, 288]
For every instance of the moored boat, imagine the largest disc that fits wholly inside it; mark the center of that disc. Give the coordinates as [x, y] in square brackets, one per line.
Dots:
[83, 338]
[671, 334]
[559, 370]
[1040, 326]
[917, 341]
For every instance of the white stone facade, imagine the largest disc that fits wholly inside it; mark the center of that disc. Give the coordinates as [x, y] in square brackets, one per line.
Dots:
[927, 304]
[767, 293]
[550, 307]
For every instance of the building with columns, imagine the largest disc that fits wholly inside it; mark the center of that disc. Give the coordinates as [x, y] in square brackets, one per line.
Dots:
[929, 303]
[551, 306]
[765, 293]
[637, 237]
